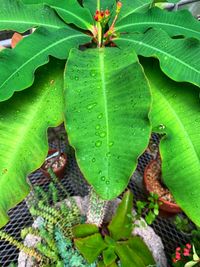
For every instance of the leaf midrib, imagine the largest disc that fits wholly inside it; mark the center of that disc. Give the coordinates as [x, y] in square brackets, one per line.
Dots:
[157, 23]
[33, 23]
[179, 122]
[162, 52]
[103, 82]
[72, 14]
[38, 54]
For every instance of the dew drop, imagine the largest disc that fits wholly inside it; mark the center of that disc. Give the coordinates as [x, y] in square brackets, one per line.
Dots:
[102, 134]
[91, 106]
[111, 143]
[98, 143]
[100, 172]
[103, 178]
[100, 116]
[161, 127]
[93, 160]
[76, 78]
[93, 73]
[108, 154]
[97, 127]
[107, 182]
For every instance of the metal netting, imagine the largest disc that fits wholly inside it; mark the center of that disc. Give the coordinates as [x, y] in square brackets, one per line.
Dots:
[75, 184]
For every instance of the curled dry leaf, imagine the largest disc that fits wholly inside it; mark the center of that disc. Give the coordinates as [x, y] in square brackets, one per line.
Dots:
[15, 39]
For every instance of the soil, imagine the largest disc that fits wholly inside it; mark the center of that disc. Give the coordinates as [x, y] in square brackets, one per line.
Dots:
[155, 183]
[55, 163]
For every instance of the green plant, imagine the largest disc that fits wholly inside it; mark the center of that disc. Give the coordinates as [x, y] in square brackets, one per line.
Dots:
[183, 224]
[148, 208]
[113, 243]
[54, 230]
[109, 102]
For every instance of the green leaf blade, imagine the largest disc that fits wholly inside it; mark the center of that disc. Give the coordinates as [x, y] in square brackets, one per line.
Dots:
[138, 245]
[17, 17]
[83, 230]
[175, 112]
[43, 43]
[137, 6]
[70, 12]
[174, 23]
[90, 247]
[128, 257]
[104, 115]
[121, 225]
[179, 58]
[24, 146]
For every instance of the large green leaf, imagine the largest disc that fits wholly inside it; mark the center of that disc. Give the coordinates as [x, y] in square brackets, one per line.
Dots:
[17, 66]
[83, 230]
[24, 120]
[128, 257]
[91, 246]
[108, 101]
[179, 58]
[176, 113]
[174, 23]
[121, 225]
[138, 245]
[129, 7]
[18, 17]
[109, 256]
[70, 11]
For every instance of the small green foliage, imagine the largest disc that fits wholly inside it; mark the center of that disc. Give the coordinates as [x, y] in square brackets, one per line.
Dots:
[110, 248]
[183, 224]
[150, 208]
[54, 229]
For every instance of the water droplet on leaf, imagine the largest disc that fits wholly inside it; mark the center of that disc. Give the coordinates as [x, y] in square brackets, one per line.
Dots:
[111, 143]
[103, 178]
[102, 134]
[98, 143]
[161, 127]
[100, 116]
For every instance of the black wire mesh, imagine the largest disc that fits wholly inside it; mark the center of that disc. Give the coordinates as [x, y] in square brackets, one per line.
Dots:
[75, 184]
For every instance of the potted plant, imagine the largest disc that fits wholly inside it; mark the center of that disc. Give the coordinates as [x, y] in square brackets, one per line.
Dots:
[109, 99]
[153, 183]
[55, 160]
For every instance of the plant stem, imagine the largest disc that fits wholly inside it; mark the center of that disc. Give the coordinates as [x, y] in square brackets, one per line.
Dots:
[96, 209]
[99, 28]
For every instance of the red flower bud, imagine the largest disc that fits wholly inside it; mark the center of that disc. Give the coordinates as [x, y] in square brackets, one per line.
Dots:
[178, 256]
[188, 246]
[186, 252]
[119, 5]
[107, 13]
